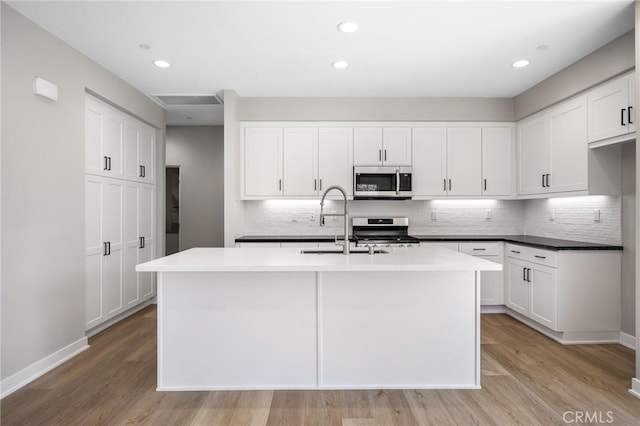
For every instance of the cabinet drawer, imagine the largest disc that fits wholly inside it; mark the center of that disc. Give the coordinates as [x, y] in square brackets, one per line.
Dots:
[480, 248]
[534, 255]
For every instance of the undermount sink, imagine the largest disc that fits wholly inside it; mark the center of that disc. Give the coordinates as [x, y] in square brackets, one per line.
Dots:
[339, 251]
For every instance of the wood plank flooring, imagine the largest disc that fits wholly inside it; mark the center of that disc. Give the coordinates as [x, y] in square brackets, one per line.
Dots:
[527, 379]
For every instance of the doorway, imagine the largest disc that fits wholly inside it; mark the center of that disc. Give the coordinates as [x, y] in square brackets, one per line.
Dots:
[172, 210]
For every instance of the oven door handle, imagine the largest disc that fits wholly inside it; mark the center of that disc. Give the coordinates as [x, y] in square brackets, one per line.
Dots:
[397, 181]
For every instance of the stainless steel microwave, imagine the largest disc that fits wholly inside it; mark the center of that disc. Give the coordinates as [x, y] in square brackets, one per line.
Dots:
[386, 182]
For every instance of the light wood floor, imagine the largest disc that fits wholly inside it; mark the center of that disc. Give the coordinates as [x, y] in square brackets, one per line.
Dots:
[526, 379]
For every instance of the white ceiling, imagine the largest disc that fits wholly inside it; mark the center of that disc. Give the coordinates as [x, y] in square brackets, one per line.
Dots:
[282, 49]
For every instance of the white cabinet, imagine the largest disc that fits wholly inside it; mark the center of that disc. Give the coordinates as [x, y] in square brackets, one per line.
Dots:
[139, 148]
[335, 158]
[497, 160]
[104, 139]
[491, 282]
[262, 161]
[300, 161]
[376, 146]
[429, 161]
[612, 109]
[119, 211]
[104, 246]
[296, 162]
[117, 145]
[575, 293]
[553, 151]
[139, 242]
[464, 161]
[532, 291]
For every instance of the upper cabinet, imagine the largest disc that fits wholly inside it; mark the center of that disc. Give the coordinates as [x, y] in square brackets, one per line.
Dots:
[117, 145]
[554, 155]
[553, 150]
[377, 146]
[462, 161]
[297, 162]
[612, 109]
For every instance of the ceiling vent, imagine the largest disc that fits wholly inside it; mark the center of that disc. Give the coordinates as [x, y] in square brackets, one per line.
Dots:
[188, 100]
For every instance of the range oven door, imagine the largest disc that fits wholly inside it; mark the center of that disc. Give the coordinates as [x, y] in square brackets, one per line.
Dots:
[382, 182]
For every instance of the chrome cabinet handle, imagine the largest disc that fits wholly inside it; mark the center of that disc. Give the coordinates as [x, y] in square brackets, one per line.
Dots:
[320, 184]
[479, 249]
[540, 257]
[315, 184]
[629, 117]
[543, 185]
[515, 251]
[104, 249]
[622, 110]
[528, 274]
[106, 163]
[385, 155]
[279, 184]
[449, 184]
[379, 155]
[485, 184]
[445, 184]
[548, 176]
[524, 274]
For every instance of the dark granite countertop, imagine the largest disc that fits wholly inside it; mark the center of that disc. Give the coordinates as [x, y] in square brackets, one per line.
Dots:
[527, 240]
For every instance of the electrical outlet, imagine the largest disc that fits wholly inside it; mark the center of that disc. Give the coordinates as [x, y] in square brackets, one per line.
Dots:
[434, 216]
[552, 215]
[596, 215]
[312, 217]
[488, 214]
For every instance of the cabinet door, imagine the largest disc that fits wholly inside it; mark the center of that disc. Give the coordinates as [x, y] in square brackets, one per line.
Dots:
[367, 146]
[396, 146]
[93, 132]
[146, 226]
[517, 287]
[93, 250]
[496, 161]
[429, 161]
[631, 118]
[543, 295]
[300, 176]
[131, 144]
[335, 161]
[262, 162]
[130, 288]
[607, 110]
[113, 143]
[569, 148]
[146, 153]
[113, 234]
[534, 150]
[464, 161]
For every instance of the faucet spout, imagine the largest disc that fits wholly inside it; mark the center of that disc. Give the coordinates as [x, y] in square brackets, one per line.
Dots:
[345, 214]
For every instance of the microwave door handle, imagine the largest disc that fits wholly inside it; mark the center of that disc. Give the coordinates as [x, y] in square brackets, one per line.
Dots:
[397, 181]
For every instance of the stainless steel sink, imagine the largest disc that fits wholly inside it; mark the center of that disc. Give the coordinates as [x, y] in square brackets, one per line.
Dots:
[339, 251]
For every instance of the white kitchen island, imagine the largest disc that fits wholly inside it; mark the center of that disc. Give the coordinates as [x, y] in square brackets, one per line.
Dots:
[273, 318]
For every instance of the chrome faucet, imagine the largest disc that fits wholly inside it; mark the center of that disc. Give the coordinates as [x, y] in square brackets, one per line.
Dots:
[345, 214]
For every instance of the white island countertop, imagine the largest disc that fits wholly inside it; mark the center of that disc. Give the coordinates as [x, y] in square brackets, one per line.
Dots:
[259, 259]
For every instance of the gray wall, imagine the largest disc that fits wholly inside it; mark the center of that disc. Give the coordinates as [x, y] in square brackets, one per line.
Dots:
[628, 238]
[199, 151]
[376, 109]
[43, 296]
[603, 64]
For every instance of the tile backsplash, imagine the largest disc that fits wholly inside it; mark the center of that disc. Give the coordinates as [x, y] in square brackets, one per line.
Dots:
[566, 218]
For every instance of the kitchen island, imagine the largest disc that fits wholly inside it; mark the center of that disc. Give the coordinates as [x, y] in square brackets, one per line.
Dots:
[274, 318]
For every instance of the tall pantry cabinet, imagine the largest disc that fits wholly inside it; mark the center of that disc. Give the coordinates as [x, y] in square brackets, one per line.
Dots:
[119, 211]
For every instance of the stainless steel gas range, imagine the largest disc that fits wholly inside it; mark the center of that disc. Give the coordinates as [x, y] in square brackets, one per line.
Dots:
[382, 232]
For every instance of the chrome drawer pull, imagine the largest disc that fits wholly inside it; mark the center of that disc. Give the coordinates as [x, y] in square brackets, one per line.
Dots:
[540, 257]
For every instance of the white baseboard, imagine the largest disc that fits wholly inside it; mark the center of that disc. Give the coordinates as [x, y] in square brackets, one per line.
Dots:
[38, 368]
[628, 340]
[635, 388]
[493, 309]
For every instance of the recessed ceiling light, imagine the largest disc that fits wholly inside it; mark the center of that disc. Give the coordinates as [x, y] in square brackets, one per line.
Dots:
[348, 27]
[144, 46]
[521, 63]
[340, 65]
[160, 63]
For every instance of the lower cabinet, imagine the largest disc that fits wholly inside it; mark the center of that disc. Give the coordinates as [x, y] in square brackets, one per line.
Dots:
[119, 220]
[491, 282]
[573, 292]
[532, 291]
